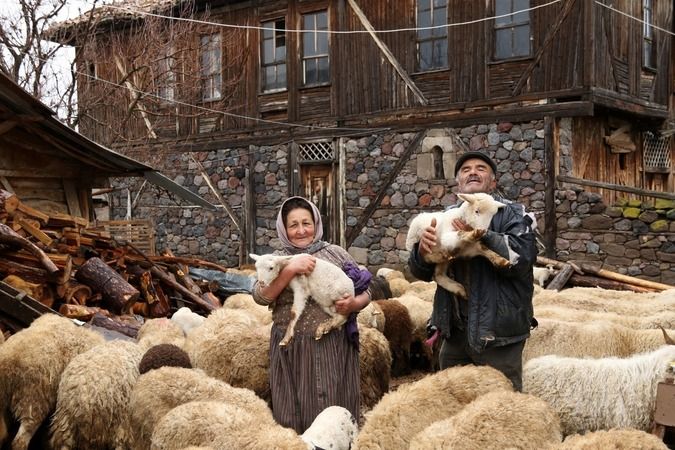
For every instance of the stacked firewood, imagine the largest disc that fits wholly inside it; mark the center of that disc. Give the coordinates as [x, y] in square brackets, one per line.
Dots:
[85, 273]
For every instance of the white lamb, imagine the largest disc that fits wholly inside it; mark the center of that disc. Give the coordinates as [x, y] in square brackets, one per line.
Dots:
[477, 211]
[541, 274]
[326, 284]
[187, 319]
[599, 394]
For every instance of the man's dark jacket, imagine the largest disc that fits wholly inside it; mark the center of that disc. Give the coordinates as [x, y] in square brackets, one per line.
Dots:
[499, 309]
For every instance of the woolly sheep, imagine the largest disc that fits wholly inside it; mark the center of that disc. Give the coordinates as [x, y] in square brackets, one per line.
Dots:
[31, 364]
[424, 290]
[401, 414]
[233, 347]
[225, 426]
[398, 286]
[421, 354]
[596, 394]
[374, 366]
[665, 319]
[591, 339]
[372, 317]
[164, 355]
[613, 439]
[246, 302]
[379, 288]
[160, 331]
[398, 330]
[93, 398]
[603, 300]
[187, 319]
[389, 274]
[541, 274]
[494, 421]
[160, 390]
[476, 211]
[304, 286]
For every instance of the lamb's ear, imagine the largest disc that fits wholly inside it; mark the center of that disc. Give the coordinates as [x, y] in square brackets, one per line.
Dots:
[499, 204]
[467, 197]
[253, 256]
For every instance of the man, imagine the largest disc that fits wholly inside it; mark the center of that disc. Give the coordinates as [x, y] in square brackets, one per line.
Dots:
[490, 326]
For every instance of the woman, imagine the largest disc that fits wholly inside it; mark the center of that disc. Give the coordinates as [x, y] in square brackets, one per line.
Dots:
[309, 375]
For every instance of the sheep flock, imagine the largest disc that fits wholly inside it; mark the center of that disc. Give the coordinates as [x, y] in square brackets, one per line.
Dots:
[590, 377]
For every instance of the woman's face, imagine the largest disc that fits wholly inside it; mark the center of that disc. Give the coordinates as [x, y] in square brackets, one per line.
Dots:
[300, 227]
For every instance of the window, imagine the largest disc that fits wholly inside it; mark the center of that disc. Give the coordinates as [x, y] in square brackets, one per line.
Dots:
[315, 62]
[439, 171]
[166, 78]
[211, 67]
[648, 47]
[273, 55]
[432, 44]
[512, 33]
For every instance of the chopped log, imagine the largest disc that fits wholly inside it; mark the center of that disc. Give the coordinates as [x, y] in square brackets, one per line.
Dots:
[34, 213]
[189, 261]
[590, 268]
[161, 307]
[117, 293]
[60, 220]
[81, 312]
[9, 237]
[592, 281]
[8, 202]
[182, 273]
[74, 293]
[561, 279]
[26, 272]
[166, 279]
[126, 327]
[544, 261]
[35, 231]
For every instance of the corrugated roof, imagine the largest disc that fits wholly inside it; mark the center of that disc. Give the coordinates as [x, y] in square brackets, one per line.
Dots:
[31, 114]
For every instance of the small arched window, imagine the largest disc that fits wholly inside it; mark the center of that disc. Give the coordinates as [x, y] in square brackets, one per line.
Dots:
[439, 172]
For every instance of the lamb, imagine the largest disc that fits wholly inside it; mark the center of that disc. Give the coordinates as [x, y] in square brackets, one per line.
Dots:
[187, 319]
[541, 274]
[613, 439]
[315, 285]
[160, 390]
[31, 364]
[597, 394]
[477, 211]
[401, 414]
[226, 426]
[93, 398]
[496, 420]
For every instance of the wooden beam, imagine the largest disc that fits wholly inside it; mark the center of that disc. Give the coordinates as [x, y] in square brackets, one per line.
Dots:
[550, 172]
[7, 125]
[72, 199]
[388, 54]
[553, 31]
[616, 187]
[372, 207]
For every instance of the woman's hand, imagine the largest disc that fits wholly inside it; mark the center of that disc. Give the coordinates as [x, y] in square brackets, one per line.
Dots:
[303, 265]
[347, 304]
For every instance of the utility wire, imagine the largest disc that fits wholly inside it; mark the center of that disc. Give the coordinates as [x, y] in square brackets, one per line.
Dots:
[637, 19]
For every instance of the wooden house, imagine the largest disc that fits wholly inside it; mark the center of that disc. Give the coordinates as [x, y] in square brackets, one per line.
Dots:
[364, 105]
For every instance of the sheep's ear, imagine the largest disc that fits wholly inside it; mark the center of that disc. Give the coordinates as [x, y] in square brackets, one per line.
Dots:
[467, 197]
[253, 256]
[499, 204]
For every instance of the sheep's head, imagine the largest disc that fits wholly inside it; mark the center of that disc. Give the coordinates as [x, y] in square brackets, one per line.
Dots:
[479, 209]
[268, 267]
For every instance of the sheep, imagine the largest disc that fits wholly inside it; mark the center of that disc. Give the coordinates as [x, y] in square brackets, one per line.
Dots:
[421, 355]
[31, 364]
[398, 330]
[164, 355]
[162, 389]
[304, 286]
[379, 288]
[233, 347]
[187, 319]
[596, 394]
[401, 414]
[665, 319]
[398, 286]
[225, 426]
[541, 274]
[160, 331]
[496, 420]
[374, 366]
[425, 290]
[603, 300]
[613, 439]
[93, 398]
[246, 302]
[477, 211]
[591, 339]
[389, 274]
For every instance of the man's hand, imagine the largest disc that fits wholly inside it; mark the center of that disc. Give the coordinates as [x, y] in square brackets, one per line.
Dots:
[428, 239]
[303, 265]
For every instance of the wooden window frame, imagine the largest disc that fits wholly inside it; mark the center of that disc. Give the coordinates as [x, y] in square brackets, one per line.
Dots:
[166, 78]
[276, 61]
[512, 24]
[433, 36]
[648, 36]
[211, 76]
[315, 57]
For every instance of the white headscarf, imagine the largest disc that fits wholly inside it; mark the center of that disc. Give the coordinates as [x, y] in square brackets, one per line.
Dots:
[316, 244]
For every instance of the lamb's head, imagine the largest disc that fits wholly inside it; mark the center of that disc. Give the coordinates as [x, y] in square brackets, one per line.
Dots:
[478, 209]
[268, 266]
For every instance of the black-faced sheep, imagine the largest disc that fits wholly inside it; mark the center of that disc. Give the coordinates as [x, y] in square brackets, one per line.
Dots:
[612, 439]
[476, 211]
[398, 330]
[304, 286]
[597, 394]
[401, 414]
[226, 426]
[494, 421]
[31, 364]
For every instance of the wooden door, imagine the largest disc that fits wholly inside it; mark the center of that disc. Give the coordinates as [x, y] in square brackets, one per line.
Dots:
[318, 186]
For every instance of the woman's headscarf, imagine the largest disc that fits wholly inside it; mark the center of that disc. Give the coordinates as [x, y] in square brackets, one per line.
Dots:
[316, 244]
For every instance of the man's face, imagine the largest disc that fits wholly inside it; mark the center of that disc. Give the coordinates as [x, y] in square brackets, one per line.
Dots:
[474, 176]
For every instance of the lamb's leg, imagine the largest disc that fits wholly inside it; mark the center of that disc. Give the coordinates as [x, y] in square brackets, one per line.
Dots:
[325, 327]
[299, 286]
[474, 236]
[443, 280]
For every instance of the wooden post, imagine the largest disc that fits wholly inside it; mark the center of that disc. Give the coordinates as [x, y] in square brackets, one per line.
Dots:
[550, 220]
[117, 293]
[561, 279]
[589, 268]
